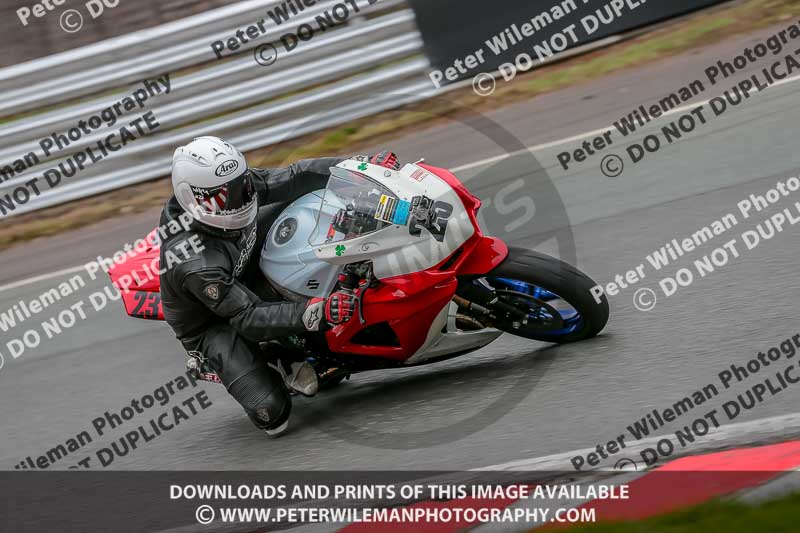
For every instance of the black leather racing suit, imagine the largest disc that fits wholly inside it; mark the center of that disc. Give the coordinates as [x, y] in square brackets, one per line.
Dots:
[212, 311]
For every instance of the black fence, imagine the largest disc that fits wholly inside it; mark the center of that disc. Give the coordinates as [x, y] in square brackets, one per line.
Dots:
[498, 32]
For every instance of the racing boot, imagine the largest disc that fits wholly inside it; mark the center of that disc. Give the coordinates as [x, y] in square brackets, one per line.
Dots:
[278, 431]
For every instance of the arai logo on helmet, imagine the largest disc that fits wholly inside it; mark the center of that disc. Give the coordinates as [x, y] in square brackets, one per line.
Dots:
[227, 168]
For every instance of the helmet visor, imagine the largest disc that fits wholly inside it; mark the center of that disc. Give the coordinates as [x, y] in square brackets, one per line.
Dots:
[231, 198]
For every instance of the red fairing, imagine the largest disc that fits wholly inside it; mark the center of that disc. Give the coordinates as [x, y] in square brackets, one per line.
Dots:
[407, 304]
[480, 254]
[410, 303]
[138, 281]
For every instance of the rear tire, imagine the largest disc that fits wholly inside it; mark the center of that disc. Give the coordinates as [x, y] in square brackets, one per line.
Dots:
[562, 279]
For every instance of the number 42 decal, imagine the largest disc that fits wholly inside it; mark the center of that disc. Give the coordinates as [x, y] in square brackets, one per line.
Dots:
[433, 216]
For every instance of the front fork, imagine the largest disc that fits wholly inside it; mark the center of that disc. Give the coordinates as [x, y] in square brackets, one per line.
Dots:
[481, 300]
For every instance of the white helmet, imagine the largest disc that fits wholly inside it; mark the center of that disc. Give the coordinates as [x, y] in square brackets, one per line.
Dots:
[212, 182]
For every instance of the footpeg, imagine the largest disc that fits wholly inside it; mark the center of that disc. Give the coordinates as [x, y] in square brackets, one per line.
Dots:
[303, 379]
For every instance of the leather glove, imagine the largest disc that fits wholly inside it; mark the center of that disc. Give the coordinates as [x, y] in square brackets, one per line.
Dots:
[332, 311]
[386, 159]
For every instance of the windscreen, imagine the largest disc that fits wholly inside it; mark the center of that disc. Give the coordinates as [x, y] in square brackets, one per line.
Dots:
[358, 206]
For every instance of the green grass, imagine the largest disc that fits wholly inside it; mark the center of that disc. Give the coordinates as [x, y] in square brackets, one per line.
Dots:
[778, 516]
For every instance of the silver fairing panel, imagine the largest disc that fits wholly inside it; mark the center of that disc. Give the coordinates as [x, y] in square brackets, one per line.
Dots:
[287, 259]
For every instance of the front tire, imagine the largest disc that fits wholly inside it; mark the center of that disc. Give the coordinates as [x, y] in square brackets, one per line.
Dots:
[555, 296]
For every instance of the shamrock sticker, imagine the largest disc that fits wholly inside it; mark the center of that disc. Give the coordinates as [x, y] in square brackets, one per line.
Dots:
[340, 250]
[362, 166]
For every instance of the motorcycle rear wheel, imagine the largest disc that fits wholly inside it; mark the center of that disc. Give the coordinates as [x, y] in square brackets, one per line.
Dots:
[553, 296]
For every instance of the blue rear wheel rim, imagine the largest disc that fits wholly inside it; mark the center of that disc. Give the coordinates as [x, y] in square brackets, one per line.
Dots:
[543, 302]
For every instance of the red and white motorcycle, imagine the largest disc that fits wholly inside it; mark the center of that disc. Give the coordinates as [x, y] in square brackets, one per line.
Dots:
[430, 284]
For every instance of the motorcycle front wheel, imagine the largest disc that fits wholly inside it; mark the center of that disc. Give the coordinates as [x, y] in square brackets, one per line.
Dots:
[535, 296]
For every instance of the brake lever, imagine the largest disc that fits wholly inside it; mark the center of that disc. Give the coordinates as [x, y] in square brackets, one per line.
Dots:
[348, 284]
[359, 297]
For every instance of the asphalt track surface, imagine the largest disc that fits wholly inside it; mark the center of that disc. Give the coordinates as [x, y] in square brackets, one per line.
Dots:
[515, 399]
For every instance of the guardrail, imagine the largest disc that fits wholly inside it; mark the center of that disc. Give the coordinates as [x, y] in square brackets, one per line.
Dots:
[372, 63]
[133, 45]
[75, 75]
[212, 87]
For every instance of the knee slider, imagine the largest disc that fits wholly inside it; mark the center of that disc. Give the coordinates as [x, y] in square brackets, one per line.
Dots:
[264, 397]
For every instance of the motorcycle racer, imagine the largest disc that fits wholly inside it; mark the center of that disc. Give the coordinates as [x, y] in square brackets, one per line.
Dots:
[207, 300]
